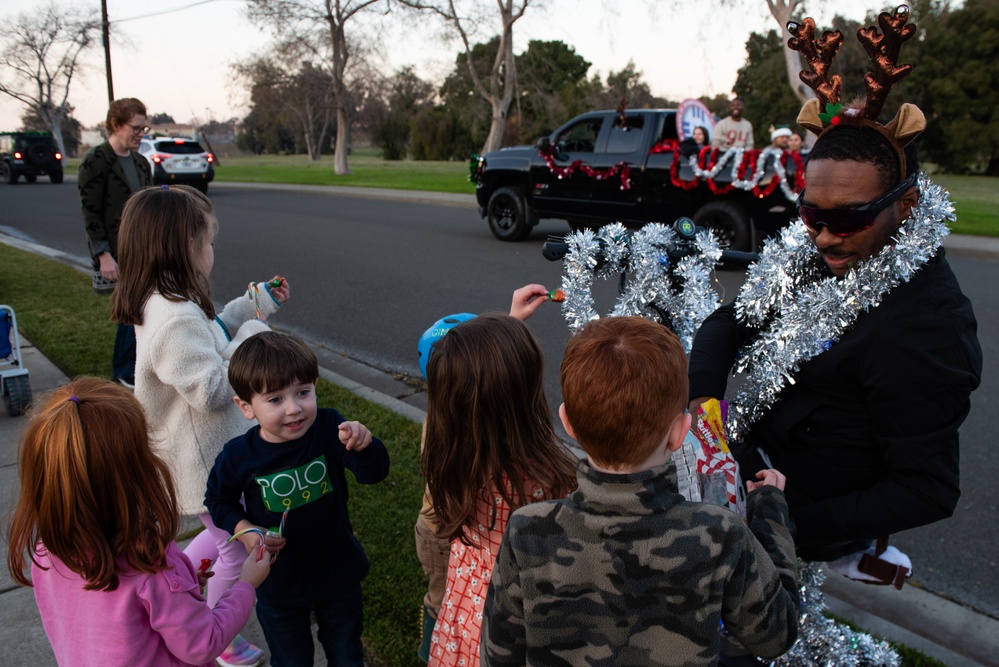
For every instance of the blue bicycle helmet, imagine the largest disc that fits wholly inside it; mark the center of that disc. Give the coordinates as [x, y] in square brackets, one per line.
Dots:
[435, 333]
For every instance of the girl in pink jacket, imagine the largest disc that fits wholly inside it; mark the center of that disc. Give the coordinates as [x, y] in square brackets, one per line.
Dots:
[96, 517]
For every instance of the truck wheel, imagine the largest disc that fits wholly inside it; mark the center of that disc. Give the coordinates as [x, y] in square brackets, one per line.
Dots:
[55, 176]
[7, 173]
[507, 213]
[730, 223]
[16, 395]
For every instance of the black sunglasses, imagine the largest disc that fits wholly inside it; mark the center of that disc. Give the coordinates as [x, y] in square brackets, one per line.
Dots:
[847, 221]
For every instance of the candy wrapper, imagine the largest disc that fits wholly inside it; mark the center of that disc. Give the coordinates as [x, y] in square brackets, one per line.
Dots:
[706, 469]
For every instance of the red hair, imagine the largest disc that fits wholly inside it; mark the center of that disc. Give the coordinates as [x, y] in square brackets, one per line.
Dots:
[93, 493]
[624, 381]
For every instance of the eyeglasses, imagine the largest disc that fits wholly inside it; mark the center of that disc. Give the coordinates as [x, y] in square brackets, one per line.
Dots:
[847, 221]
[138, 129]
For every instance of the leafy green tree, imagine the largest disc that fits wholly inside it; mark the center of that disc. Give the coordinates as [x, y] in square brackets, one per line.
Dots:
[718, 105]
[625, 84]
[956, 73]
[499, 82]
[762, 81]
[436, 134]
[472, 114]
[552, 88]
[268, 128]
[161, 119]
[393, 117]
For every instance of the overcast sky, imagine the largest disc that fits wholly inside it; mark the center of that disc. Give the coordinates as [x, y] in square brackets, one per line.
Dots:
[174, 55]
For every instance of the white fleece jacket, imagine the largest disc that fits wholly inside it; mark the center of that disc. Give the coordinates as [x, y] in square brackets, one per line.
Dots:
[181, 379]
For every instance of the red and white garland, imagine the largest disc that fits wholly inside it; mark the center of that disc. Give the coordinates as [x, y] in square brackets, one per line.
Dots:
[621, 169]
[747, 169]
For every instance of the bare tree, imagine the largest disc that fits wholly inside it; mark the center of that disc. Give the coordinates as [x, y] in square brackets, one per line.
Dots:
[783, 11]
[40, 56]
[498, 86]
[320, 25]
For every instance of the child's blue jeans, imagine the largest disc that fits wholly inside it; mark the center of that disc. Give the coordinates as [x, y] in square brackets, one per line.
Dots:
[288, 631]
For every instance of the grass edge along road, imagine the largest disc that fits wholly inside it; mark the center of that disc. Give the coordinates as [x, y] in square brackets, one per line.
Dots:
[58, 311]
[975, 198]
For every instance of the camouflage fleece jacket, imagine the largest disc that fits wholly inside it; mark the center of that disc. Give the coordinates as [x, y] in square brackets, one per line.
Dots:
[103, 193]
[626, 572]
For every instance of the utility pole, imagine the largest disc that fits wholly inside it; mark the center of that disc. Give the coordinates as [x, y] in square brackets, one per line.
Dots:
[107, 48]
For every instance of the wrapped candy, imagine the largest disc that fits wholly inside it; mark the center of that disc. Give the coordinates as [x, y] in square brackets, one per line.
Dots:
[717, 472]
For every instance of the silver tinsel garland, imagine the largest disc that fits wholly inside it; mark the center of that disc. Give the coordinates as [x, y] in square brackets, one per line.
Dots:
[651, 279]
[804, 311]
[823, 642]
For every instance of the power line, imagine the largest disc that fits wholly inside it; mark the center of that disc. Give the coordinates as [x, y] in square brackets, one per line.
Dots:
[168, 11]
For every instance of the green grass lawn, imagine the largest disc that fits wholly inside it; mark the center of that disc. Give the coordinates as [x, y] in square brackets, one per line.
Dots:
[976, 199]
[367, 170]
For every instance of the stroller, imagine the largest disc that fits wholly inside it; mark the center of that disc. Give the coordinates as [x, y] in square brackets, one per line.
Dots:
[14, 384]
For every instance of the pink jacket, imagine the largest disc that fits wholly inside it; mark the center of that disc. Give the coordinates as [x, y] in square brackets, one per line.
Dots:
[151, 619]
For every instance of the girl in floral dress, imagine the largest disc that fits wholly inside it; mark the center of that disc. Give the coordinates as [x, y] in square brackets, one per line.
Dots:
[490, 448]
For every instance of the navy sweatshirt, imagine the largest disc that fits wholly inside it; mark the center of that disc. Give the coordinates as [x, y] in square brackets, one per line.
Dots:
[306, 475]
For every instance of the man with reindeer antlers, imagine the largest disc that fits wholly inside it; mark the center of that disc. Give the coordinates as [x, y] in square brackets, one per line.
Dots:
[859, 349]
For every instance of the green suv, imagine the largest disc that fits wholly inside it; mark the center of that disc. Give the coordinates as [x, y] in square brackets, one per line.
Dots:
[29, 154]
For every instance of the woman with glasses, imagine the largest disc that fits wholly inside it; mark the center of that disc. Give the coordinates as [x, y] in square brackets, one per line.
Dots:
[108, 176]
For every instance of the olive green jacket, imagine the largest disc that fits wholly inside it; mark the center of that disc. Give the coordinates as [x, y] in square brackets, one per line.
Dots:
[103, 193]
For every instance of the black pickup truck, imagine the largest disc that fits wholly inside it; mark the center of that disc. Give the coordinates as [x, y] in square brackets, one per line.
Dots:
[605, 166]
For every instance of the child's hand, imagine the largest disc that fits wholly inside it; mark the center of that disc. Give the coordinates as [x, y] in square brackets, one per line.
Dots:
[281, 291]
[256, 567]
[770, 477]
[252, 539]
[274, 544]
[526, 300]
[204, 574]
[355, 436]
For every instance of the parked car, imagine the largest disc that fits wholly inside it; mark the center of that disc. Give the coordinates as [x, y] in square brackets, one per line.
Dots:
[605, 166]
[178, 160]
[29, 154]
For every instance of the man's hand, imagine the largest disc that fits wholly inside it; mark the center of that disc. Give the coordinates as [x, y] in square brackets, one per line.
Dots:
[770, 477]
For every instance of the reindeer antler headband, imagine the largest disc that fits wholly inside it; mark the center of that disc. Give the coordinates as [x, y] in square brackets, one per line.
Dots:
[825, 113]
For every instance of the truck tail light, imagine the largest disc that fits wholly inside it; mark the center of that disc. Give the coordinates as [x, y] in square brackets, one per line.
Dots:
[18, 155]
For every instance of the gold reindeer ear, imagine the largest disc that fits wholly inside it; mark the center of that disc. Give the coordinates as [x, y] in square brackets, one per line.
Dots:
[808, 117]
[906, 125]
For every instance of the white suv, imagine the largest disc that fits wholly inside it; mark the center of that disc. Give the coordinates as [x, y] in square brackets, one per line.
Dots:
[178, 160]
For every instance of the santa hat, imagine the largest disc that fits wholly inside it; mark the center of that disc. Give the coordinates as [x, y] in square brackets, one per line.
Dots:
[780, 131]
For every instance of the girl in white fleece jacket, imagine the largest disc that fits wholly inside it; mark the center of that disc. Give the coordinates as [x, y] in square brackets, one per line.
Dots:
[182, 356]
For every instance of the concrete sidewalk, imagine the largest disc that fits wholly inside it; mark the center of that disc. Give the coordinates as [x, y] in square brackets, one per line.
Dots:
[953, 634]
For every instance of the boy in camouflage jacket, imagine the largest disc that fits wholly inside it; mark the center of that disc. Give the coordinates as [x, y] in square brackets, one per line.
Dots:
[625, 571]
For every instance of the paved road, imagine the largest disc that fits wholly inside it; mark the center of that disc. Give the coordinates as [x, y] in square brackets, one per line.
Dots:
[369, 275]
